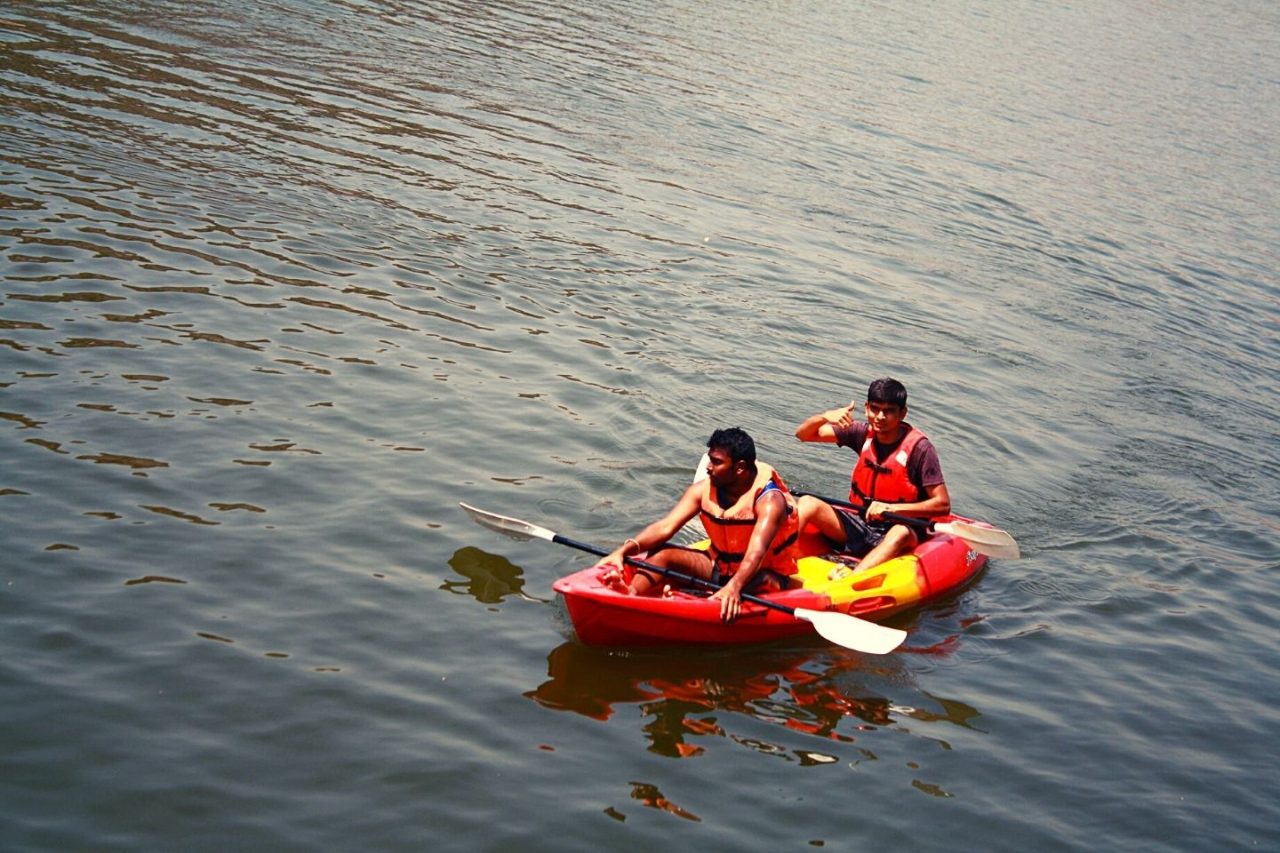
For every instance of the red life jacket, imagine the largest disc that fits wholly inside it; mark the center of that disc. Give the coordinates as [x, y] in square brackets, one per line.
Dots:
[888, 481]
[729, 529]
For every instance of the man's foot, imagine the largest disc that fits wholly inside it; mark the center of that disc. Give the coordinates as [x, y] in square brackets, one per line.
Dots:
[845, 567]
[616, 579]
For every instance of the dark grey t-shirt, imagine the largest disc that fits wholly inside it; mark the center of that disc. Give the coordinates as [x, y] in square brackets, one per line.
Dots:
[923, 466]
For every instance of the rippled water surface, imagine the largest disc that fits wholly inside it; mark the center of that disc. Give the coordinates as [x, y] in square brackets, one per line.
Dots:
[283, 282]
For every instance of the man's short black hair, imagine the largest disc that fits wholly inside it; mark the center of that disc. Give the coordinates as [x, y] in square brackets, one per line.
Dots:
[887, 390]
[735, 442]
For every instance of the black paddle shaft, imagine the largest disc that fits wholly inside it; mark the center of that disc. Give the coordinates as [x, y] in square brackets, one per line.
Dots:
[922, 523]
[671, 573]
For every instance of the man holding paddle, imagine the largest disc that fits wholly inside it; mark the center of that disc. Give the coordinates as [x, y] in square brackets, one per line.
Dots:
[750, 517]
[897, 471]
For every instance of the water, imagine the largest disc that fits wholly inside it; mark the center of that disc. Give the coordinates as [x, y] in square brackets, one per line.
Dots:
[284, 281]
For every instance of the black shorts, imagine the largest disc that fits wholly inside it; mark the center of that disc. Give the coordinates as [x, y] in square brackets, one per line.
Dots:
[860, 535]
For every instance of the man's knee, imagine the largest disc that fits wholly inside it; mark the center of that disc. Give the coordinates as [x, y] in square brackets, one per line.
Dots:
[901, 538]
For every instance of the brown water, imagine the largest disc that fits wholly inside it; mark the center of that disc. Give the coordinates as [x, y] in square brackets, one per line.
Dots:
[283, 282]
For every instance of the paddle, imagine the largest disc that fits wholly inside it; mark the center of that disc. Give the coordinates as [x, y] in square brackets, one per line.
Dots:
[840, 628]
[984, 540]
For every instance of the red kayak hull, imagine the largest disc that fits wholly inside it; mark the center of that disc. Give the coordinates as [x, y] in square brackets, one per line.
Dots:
[602, 616]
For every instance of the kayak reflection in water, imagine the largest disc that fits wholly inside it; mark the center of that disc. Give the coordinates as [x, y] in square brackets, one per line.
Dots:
[686, 703]
[750, 517]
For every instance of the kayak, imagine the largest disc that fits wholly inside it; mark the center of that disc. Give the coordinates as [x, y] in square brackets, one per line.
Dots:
[940, 565]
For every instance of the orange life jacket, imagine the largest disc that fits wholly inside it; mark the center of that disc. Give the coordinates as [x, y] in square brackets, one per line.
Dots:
[729, 529]
[888, 481]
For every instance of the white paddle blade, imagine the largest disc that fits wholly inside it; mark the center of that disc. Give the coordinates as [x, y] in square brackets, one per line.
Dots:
[852, 632]
[692, 532]
[984, 540]
[513, 527]
[700, 473]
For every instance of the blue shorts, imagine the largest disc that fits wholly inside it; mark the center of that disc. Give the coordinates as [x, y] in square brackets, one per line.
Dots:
[764, 580]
